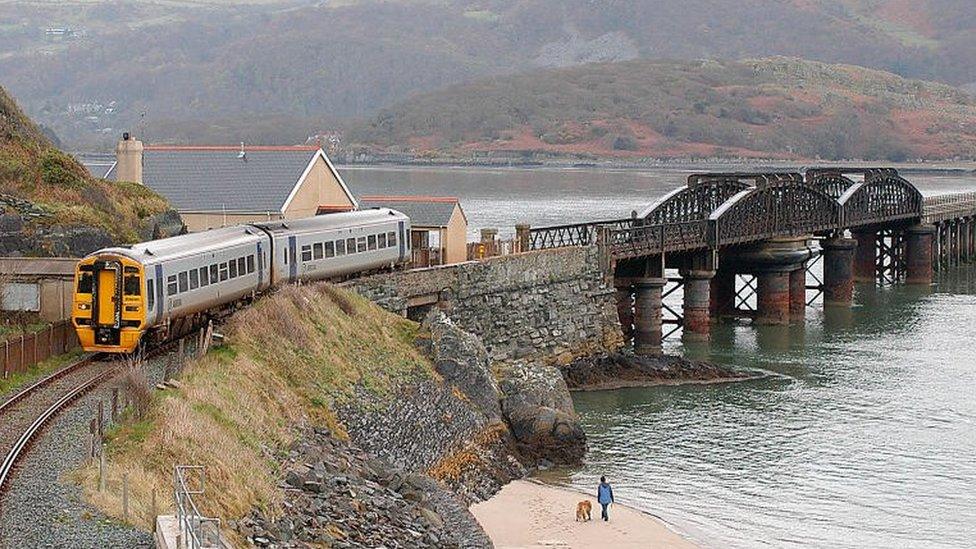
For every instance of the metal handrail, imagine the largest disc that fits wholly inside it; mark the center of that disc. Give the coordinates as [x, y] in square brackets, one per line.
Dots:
[195, 530]
[945, 206]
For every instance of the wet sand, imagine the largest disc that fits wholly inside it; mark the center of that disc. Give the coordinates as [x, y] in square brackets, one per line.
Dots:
[530, 515]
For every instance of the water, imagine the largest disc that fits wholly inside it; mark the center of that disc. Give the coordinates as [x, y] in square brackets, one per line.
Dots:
[864, 435]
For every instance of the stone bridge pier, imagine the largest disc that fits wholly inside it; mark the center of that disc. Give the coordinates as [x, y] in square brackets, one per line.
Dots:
[900, 254]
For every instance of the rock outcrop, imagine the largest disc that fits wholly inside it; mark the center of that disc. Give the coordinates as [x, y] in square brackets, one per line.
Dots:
[539, 410]
[620, 369]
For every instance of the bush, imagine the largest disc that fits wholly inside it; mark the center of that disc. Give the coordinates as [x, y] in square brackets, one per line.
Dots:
[59, 170]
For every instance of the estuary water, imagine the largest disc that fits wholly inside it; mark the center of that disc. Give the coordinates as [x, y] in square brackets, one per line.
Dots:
[863, 435]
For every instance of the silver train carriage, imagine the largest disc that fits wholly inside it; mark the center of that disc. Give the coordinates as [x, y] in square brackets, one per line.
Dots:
[122, 293]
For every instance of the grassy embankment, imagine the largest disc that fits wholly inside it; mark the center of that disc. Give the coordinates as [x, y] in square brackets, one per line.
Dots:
[31, 168]
[287, 361]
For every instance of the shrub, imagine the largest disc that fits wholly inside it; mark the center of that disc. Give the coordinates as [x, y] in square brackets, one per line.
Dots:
[59, 170]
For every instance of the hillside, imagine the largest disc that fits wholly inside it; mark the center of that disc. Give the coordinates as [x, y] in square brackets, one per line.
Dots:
[776, 107]
[278, 71]
[50, 205]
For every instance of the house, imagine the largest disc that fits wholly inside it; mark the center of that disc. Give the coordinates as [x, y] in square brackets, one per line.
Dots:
[217, 186]
[39, 286]
[438, 226]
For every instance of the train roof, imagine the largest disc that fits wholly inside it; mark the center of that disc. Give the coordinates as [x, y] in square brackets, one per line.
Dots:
[331, 221]
[148, 252]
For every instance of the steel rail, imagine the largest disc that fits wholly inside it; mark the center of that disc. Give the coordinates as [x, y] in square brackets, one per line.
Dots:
[14, 454]
[83, 361]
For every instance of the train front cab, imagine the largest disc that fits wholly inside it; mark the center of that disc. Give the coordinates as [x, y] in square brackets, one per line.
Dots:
[108, 310]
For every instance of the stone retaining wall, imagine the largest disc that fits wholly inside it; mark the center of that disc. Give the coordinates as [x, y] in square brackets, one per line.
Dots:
[550, 304]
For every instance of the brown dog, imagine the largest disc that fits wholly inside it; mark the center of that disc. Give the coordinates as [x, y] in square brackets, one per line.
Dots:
[583, 509]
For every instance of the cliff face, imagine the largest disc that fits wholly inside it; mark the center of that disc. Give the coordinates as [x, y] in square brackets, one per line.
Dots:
[50, 205]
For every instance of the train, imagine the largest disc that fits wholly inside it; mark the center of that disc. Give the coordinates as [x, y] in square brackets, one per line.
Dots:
[153, 291]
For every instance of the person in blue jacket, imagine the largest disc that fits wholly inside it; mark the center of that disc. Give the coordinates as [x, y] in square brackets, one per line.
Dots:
[604, 495]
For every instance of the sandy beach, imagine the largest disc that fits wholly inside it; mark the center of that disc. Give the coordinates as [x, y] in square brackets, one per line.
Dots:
[529, 515]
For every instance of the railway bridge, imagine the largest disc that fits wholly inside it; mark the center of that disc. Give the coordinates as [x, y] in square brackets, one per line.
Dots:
[767, 229]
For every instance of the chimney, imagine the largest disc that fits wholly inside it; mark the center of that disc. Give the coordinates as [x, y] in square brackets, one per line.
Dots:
[128, 158]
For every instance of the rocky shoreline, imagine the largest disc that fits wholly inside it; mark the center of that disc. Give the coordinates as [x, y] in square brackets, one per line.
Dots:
[618, 370]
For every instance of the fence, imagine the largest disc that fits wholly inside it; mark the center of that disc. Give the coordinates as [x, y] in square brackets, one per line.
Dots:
[18, 353]
[195, 530]
[491, 248]
[949, 206]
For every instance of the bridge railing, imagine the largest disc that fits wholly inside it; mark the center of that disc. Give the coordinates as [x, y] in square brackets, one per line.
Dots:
[948, 206]
[576, 234]
[636, 241]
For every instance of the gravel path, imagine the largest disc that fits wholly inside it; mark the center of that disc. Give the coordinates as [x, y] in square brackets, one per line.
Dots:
[40, 510]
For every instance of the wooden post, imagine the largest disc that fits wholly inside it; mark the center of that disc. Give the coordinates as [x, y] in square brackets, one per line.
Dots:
[115, 403]
[101, 418]
[6, 358]
[125, 497]
[152, 515]
[101, 469]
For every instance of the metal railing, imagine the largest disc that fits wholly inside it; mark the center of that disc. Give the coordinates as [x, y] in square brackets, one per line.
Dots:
[948, 206]
[574, 234]
[195, 531]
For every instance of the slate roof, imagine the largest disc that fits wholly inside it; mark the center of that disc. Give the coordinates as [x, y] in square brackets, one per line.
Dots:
[98, 165]
[423, 211]
[216, 179]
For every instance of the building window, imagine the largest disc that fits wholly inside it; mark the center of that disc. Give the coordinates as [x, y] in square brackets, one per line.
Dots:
[250, 263]
[194, 279]
[317, 250]
[204, 278]
[150, 294]
[329, 249]
[381, 240]
[371, 242]
[171, 285]
[223, 272]
[340, 246]
[184, 283]
[232, 264]
[306, 253]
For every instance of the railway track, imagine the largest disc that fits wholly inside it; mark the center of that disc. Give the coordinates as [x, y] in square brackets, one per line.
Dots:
[23, 415]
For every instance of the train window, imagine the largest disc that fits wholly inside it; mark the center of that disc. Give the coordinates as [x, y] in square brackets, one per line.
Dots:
[250, 264]
[351, 245]
[233, 268]
[85, 283]
[286, 256]
[241, 266]
[204, 277]
[330, 249]
[317, 250]
[131, 285]
[184, 283]
[371, 240]
[131, 270]
[171, 285]
[361, 244]
[213, 274]
[150, 293]
[194, 279]
[306, 253]
[340, 247]
[391, 238]
[381, 240]
[223, 271]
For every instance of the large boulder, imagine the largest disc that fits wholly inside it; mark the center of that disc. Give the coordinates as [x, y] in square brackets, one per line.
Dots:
[462, 361]
[539, 410]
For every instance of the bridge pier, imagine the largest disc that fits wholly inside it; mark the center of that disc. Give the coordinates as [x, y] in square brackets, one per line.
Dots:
[865, 256]
[838, 270]
[722, 293]
[697, 304]
[625, 308]
[918, 254]
[647, 316]
[798, 294]
[773, 298]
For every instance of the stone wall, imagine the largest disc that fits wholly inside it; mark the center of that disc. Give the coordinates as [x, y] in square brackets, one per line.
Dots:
[549, 304]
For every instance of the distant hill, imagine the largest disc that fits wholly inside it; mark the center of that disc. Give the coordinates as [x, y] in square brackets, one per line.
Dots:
[278, 71]
[776, 107]
[49, 205]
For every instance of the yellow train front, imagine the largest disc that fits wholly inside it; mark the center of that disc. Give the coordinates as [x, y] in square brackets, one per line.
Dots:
[109, 306]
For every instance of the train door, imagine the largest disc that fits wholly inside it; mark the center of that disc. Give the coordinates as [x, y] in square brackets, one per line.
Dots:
[107, 301]
[403, 240]
[292, 259]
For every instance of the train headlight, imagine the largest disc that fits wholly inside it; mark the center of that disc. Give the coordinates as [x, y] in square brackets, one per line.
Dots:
[84, 306]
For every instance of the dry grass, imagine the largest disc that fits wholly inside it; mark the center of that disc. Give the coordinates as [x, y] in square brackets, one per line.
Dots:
[286, 362]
